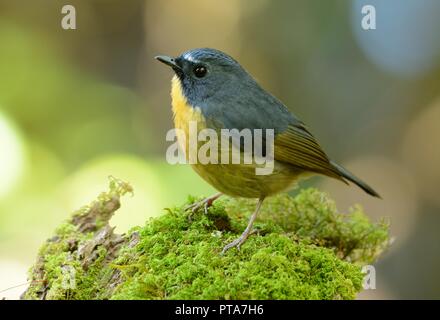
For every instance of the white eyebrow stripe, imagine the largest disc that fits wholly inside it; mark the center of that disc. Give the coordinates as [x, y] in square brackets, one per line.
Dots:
[189, 57]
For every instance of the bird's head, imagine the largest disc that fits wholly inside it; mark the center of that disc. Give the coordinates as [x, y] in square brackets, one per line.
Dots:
[205, 73]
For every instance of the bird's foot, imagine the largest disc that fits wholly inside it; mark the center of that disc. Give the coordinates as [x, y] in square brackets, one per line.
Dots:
[248, 231]
[205, 203]
[238, 242]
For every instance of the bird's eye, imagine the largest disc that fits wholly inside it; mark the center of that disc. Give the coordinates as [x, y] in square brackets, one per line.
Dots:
[200, 71]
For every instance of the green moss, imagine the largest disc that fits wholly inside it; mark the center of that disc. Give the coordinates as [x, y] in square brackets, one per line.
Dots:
[313, 216]
[70, 264]
[304, 249]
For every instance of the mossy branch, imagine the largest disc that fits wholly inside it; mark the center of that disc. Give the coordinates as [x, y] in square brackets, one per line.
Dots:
[304, 249]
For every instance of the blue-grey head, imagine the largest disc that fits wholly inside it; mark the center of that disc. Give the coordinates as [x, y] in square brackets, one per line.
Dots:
[208, 74]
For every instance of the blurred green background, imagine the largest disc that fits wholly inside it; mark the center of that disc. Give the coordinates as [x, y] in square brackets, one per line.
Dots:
[79, 105]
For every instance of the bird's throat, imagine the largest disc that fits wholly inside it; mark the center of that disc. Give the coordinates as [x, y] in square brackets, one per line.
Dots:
[184, 113]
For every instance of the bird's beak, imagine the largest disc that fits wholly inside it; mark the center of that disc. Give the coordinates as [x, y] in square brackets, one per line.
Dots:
[168, 61]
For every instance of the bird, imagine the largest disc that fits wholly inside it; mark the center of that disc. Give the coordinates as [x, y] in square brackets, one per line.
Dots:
[212, 89]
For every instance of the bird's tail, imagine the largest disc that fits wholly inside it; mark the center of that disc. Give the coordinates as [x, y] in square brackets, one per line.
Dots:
[351, 177]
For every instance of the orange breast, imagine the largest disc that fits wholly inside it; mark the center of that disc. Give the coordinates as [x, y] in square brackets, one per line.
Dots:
[184, 113]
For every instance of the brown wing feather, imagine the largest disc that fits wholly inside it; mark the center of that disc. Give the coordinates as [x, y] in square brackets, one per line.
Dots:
[298, 147]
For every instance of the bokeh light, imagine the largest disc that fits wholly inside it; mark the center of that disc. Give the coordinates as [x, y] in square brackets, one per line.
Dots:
[405, 41]
[421, 150]
[12, 156]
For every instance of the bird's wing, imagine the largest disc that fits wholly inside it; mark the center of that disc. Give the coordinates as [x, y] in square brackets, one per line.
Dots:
[297, 146]
[293, 143]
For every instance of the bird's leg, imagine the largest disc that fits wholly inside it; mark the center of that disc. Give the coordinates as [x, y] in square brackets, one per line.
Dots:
[206, 203]
[239, 241]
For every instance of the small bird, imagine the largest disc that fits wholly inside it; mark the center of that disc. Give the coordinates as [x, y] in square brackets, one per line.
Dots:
[212, 89]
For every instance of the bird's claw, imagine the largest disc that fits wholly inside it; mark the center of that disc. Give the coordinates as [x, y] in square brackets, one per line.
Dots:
[205, 203]
[239, 241]
[236, 243]
[197, 205]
